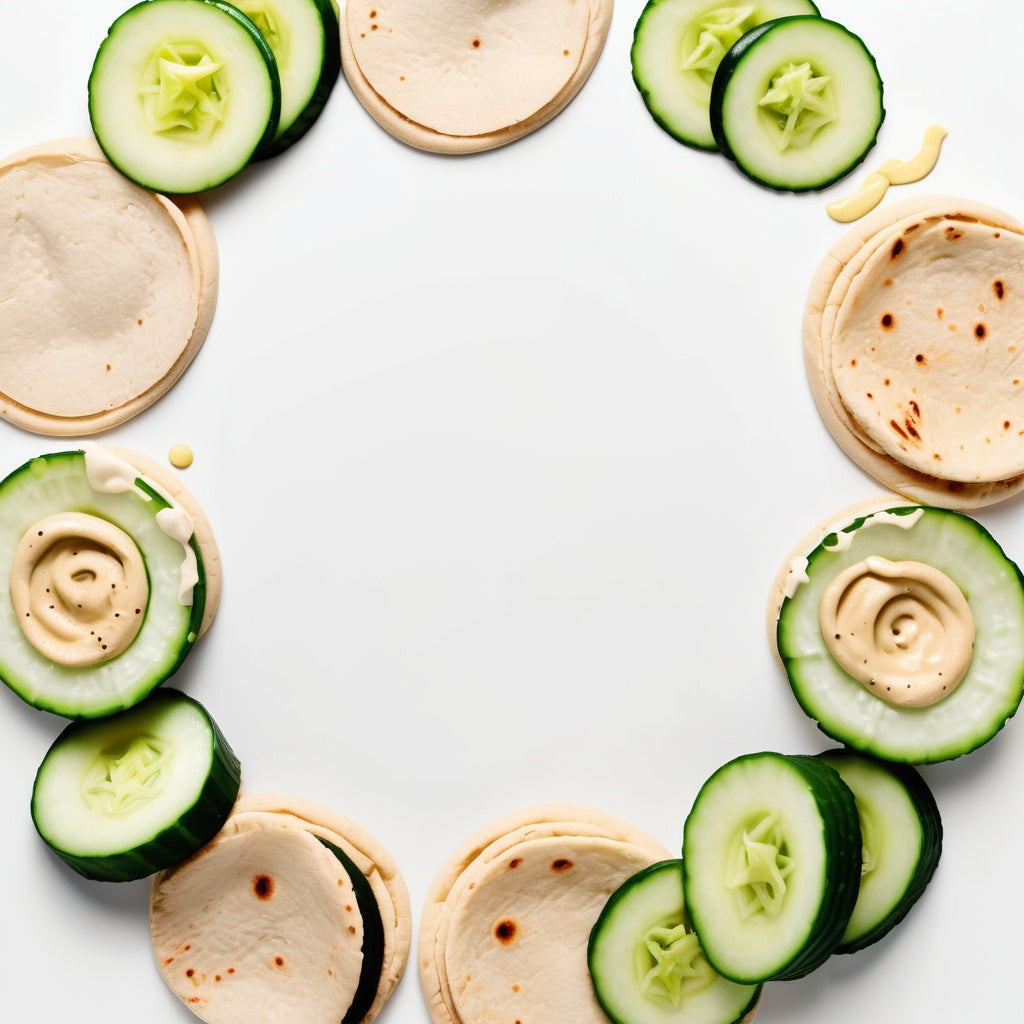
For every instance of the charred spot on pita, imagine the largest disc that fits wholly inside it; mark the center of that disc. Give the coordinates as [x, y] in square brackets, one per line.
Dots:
[263, 887]
[505, 931]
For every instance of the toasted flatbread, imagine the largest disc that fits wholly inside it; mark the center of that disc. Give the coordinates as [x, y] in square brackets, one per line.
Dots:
[469, 75]
[265, 923]
[914, 348]
[508, 916]
[107, 290]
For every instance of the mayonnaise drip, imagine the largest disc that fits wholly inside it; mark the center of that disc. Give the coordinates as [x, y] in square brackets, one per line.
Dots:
[79, 589]
[108, 473]
[903, 629]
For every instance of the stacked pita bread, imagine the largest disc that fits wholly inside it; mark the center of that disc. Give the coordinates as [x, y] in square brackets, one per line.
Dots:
[107, 290]
[270, 920]
[914, 346]
[504, 931]
[462, 76]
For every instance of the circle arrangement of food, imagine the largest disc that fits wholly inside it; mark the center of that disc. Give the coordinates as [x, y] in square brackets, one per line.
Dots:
[518, 66]
[912, 345]
[508, 916]
[499, 451]
[292, 912]
[108, 290]
[110, 585]
[901, 629]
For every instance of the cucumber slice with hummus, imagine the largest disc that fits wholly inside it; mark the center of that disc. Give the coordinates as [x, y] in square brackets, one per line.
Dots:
[306, 42]
[771, 865]
[122, 797]
[646, 962]
[183, 94]
[104, 582]
[677, 47]
[902, 842]
[902, 633]
[797, 103]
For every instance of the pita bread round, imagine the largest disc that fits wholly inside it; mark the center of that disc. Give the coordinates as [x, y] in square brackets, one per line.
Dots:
[262, 923]
[913, 352]
[508, 916]
[469, 75]
[107, 290]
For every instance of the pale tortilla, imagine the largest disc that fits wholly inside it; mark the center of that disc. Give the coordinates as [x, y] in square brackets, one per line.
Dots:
[262, 923]
[107, 290]
[469, 75]
[505, 926]
[947, 256]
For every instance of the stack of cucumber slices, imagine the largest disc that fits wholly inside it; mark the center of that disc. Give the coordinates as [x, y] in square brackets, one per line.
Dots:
[184, 94]
[792, 98]
[787, 859]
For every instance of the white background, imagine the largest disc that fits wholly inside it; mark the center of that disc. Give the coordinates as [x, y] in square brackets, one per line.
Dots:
[502, 453]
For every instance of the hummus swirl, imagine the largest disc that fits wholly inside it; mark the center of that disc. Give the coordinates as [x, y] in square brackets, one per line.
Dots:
[903, 629]
[79, 589]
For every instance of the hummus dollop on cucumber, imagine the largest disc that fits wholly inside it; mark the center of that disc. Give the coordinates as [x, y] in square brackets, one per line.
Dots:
[112, 574]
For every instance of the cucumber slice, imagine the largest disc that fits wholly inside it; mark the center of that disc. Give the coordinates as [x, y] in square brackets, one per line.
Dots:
[373, 938]
[646, 964]
[797, 103]
[902, 835]
[771, 865]
[677, 47]
[850, 711]
[123, 797]
[60, 485]
[305, 38]
[183, 94]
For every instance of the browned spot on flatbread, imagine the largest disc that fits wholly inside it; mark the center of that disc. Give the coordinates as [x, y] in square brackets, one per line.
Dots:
[505, 931]
[897, 248]
[263, 887]
[980, 331]
[888, 320]
[562, 864]
[515, 862]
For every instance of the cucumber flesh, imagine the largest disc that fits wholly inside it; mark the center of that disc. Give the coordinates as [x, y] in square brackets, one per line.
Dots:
[183, 94]
[993, 686]
[771, 865]
[304, 36]
[902, 836]
[797, 103]
[60, 483]
[677, 47]
[122, 797]
[646, 964]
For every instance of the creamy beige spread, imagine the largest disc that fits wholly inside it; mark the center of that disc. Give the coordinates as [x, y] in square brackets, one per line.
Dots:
[98, 285]
[79, 588]
[903, 629]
